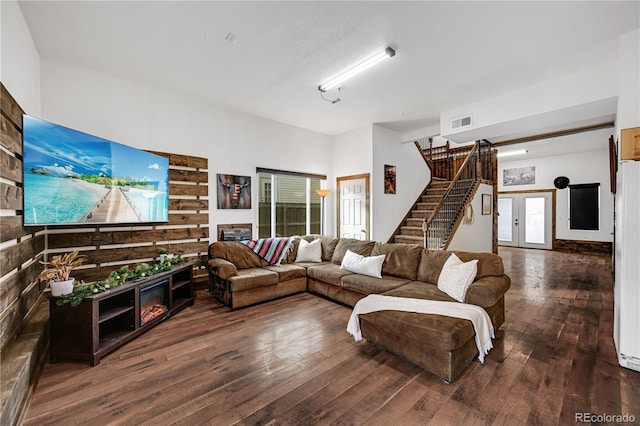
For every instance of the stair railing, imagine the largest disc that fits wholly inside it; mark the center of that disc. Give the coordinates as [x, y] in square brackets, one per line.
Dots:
[440, 224]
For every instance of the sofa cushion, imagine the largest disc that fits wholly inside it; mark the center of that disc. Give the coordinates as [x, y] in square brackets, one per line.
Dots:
[420, 290]
[368, 285]
[456, 276]
[489, 264]
[309, 251]
[236, 253]
[431, 263]
[370, 266]
[328, 272]
[328, 247]
[401, 260]
[252, 278]
[288, 272]
[357, 246]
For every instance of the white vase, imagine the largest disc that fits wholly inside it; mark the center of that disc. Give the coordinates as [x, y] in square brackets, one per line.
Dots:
[59, 288]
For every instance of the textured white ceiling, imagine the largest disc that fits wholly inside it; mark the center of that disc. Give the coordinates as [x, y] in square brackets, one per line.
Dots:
[448, 53]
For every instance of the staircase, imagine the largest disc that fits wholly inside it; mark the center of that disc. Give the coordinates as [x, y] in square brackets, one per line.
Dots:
[411, 229]
[437, 213]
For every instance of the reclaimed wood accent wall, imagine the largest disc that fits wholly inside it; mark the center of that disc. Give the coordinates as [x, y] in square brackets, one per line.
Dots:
[24, 317]
[109, 247]
[21, 249]
[24, 332]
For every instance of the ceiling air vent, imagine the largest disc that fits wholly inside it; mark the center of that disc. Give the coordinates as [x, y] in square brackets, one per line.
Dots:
[461, 122]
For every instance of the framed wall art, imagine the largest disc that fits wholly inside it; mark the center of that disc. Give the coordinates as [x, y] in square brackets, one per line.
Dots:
[234, 192]
[519, 176]
[389, 179]
[486, 204]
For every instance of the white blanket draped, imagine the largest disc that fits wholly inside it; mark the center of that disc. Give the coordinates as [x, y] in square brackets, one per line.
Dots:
[477, 315]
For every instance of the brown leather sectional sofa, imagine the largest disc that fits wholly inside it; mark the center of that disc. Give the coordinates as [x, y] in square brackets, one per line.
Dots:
[442, 345]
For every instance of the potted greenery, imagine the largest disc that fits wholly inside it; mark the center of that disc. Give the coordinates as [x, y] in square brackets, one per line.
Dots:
[59, 270]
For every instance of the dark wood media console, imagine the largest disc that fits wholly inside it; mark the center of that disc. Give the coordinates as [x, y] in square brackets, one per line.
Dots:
[105, 321]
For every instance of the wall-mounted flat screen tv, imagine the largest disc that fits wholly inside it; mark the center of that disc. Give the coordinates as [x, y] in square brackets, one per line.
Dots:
[71, 177]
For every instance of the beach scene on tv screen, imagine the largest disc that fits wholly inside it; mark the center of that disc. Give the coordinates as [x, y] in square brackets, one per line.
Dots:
[73, 177]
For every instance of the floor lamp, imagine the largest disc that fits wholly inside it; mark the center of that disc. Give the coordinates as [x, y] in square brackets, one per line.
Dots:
[323, 194]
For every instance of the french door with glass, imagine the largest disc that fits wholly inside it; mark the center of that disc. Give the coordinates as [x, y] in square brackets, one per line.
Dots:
[524, 219]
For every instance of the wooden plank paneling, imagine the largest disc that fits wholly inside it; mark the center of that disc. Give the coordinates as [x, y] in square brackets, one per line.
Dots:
[11, 228]
[13, 286]
[188, 204]
[136, 253]
[14, 256]
[10, 136]
[585, 247]
[193, 190]
[181, 160]
[10, 197]
[188, 176]
[10, 108]
[10, 167]
[20, 293]
[105, 237]
[189, 219]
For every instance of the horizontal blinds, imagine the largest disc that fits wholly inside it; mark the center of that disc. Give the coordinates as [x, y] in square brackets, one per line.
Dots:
[286, 172]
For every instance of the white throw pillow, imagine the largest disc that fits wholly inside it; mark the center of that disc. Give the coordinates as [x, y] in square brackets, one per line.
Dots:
[370, 266]
[309, 251]
[457, 276]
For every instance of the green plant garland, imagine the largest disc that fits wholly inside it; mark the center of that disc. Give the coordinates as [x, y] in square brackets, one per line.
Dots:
[115, 279]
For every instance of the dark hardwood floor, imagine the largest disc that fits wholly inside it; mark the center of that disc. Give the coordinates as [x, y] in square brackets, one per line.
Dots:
[291, 362]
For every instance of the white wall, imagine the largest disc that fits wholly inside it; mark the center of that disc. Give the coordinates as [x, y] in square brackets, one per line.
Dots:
[588, 94]
[580, 167]
[352, 155]
[19, 61]
[148, 117]
[627, 249]
[478, 235]
[412, 176]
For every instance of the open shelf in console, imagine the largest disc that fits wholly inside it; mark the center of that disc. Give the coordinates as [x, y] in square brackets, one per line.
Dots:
[105, 321]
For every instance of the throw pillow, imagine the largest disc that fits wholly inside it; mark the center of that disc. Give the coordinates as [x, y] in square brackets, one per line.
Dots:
[457, 276]
[356, 263]
[309, 251]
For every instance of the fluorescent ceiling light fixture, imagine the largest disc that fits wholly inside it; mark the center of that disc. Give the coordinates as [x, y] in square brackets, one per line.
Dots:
[357, 69]
[512, 153]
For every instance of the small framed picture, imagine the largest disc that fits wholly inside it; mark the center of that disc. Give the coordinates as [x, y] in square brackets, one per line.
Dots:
[486, 203]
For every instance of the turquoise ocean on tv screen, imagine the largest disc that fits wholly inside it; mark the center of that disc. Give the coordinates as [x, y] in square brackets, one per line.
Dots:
[48, 193]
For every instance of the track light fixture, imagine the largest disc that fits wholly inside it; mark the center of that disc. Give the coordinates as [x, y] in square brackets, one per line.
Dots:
[353, 70]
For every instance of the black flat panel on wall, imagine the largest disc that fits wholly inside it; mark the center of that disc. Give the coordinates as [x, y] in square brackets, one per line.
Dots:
[584, 206]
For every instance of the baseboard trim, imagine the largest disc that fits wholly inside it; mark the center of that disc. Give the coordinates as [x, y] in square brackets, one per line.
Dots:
[583, 247]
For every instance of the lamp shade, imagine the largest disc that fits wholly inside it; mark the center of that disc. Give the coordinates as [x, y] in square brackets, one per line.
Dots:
[323, 192]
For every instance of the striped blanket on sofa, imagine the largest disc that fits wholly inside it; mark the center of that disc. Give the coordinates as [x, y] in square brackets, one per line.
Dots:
[273, 250]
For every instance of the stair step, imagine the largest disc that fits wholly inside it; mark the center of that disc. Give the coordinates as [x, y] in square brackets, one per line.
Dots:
[426, 206]
[414, 221]
[429, 198]
[415, 231]
[407, 239]
[420, 214]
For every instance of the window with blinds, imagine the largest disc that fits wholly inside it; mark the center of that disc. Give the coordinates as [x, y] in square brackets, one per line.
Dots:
[288, 203]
